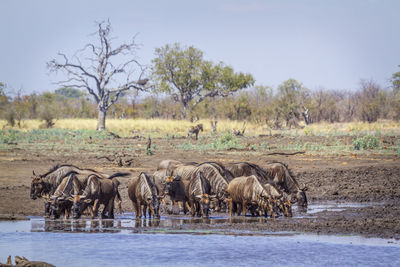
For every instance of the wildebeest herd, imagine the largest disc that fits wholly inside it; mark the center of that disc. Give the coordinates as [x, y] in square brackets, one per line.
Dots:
[198, 188]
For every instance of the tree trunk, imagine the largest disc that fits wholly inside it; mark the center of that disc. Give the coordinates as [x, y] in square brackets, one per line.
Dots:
[101, 119]
[184, 110]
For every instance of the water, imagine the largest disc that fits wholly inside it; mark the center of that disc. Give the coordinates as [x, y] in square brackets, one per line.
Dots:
[129, 242]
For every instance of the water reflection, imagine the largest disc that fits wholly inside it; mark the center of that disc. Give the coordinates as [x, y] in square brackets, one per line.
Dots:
[129, 223]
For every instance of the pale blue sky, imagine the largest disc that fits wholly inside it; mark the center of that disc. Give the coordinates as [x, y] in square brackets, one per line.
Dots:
[321, 43]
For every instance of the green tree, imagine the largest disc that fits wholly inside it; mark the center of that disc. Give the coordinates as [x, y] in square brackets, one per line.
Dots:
[69, 92]
[291, 98]
[184, 74]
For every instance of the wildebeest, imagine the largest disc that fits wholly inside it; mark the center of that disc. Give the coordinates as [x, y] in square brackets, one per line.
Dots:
[282, 177]
[61, 200]
[98, 191]
[247, 190]
[176, 188]
[43, 186]
[167, 164]
[195, 130]
[221, 168]
[217, 181]
[199, 194]
[239, 169]
[143, 192]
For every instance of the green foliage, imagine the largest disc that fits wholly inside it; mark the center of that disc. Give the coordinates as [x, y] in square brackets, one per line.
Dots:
[60, 135]
[366, 142]
[291, 97]
[68, 92]
[184, 74]
[396, 81]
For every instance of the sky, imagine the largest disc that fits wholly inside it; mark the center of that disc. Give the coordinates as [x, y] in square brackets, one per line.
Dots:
[322, 44]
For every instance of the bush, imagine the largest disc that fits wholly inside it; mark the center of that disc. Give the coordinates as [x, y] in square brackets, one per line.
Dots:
[366, 142]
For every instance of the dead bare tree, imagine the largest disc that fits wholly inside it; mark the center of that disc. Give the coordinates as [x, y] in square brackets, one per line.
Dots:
[105, 72]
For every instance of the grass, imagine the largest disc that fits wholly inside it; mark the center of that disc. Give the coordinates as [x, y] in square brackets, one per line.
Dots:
[76, 134]
[161, 128]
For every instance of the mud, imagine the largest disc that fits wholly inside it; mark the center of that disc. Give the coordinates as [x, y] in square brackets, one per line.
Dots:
[366, 178]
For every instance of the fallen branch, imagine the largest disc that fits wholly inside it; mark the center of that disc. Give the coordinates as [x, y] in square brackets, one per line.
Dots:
[286, 154]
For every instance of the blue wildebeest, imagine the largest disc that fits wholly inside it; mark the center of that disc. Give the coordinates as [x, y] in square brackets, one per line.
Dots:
[281, 175]
[44, 185]
[248, 191]
[143, 192]
[98, 191]
[199, 194]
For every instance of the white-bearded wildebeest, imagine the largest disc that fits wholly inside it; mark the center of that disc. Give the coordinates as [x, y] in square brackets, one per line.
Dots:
[199, 193]
[248, 191]
[61, 200]
[284, 179]
[195, 130]
[218, 182]
[98, 191]
[177, 183]
[239, 169]
[44, 185]
[143, 192]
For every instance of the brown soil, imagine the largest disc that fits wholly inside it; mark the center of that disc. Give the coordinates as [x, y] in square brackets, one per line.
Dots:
[344, 177]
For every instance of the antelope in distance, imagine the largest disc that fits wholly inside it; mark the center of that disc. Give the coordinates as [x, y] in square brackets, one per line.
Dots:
[195, 130]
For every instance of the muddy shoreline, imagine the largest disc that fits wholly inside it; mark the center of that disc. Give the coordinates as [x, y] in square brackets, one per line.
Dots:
[366, 178]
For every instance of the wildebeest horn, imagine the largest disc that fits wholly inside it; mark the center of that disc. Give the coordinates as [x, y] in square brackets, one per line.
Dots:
[33, 172]
[198, 196]
[305, 188]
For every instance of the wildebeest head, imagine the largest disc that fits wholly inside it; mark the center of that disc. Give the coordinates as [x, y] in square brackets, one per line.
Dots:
[270, 205]
[171, 183]
[205, 200]
[37, 186]
[302, 198]
[80, 203]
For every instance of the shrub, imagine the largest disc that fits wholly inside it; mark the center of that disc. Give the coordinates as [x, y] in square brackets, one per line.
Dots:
[366, 142]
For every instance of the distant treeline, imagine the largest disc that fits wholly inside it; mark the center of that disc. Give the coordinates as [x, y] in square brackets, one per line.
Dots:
[277, 107]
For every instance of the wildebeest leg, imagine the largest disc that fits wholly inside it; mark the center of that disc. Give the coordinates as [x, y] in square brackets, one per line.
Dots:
[191, 207]
[144, 210]
[139, 209]
[244, 207]
[238, 208]
[95, 208]
[135, 208]
[46, 209]
[229, 200]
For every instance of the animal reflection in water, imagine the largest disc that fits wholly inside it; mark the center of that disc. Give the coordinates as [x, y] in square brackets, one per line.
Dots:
[117, 225]
[86, 226]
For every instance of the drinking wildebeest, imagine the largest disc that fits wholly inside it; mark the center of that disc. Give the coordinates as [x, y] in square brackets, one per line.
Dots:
[239, 169]
[177, 184]
[43, 186]
[217, 181]
[61, 200]
[284, 179]
[199, 192]
[247, 190]
[143, 192]
[195, 130]
[98, 191]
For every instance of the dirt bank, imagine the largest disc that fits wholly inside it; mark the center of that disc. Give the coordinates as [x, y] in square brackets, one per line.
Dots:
[369, 178]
